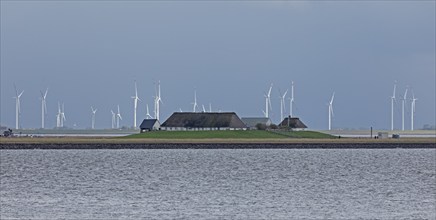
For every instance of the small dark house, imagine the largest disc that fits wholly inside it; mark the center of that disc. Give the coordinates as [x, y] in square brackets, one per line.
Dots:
[149, 125]
[182, 121]
[293, 123]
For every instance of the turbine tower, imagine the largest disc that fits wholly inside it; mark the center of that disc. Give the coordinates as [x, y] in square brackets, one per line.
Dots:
[195, 101]
[158, 102]
[331, 111]
[93, 117]
[268, 101]
[291, 100]
[58, 116]
[43, 108]
[113, 119]
[135, 105]
[412, 110]
[392, 106]
[402, 112]
[282, 104]
[62, 116]
[118, 117]
[17, 107]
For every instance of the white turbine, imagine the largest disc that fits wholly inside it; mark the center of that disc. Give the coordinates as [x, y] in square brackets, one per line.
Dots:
[58, 116]
[403, 106]
[17, 107]
[282, 103]
[268, 102]
[204, 110]
[392, 106]
[113, 119]
[331, 114]
[291, 100]
[62, 116]
[412, 110]
[135, 105]
[157, 101]
[148, 116]
[195, 101]
[210, 107]
[118, 117]
[43, 108]
[93, 117]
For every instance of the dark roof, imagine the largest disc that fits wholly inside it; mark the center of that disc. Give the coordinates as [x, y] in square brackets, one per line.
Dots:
[204, 120]
[293, 123]
[253, 121]
[148, 123]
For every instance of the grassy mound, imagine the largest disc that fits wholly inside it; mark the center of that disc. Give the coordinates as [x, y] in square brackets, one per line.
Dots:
[253, 134]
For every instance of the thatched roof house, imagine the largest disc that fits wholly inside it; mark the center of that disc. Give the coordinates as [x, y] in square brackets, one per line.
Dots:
[203, 121]
[293, 123]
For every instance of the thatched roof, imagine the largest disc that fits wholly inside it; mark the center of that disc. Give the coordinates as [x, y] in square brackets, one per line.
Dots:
[293, 123]
[204, 120]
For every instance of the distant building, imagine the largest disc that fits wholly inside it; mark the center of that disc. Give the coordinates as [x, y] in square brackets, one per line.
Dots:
[192, 121]
[149, 125]
[251, 122]
[383, 135]
[292, 123]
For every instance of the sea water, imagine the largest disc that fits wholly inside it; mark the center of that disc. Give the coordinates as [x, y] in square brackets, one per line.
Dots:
[218, 184]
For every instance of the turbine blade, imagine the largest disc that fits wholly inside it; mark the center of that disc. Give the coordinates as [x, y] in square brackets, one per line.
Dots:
[45, 94]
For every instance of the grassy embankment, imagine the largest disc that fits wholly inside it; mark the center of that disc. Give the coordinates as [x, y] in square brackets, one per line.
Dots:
[229, 135]
[212, 137]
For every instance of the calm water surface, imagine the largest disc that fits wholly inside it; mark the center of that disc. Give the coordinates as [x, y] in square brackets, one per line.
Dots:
[211, 184]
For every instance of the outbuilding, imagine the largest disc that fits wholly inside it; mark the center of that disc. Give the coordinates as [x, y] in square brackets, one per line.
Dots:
[201, 121]
[149, 125]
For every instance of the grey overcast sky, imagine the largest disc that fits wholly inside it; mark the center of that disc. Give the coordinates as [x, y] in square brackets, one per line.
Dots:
[88, 53]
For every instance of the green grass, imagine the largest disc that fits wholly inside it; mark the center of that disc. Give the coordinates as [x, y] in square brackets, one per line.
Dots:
[305, 134]
[253, 134]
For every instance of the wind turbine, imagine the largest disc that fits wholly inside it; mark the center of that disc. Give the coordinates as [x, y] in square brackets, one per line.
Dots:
[204, 110]
[58, 116]
[331, 111]
[402, 112]
[17, 107]
[148, 116]
[392, 106]
[282, 103]
[268, 101]
[113, 119]
[93, 117]
[157, 101]
[291, 100]
[118, 117]
[195, 101]
[135, 105]
[62, 116]
[43, 108]
[210, 107]
[412, 110]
